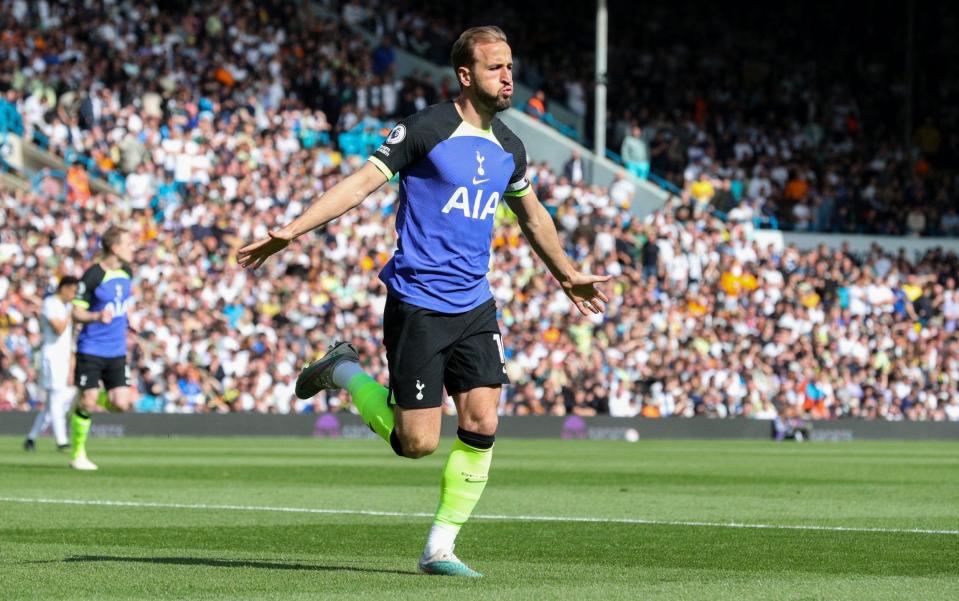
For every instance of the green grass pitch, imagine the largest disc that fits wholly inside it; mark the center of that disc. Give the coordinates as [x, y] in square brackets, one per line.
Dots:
[225, 519]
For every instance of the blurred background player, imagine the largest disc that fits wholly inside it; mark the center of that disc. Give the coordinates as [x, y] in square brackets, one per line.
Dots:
[456, 161]
[56, 328]
[103, 299]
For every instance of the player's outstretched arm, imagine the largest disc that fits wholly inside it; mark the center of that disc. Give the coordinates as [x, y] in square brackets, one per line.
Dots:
[538, 228]
[339, 199]
[84, 315]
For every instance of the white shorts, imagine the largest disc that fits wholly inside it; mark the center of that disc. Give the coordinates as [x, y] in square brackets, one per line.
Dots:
[54, 373]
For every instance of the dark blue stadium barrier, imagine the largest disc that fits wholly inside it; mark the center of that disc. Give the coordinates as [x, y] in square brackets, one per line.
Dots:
[561, 127]
[656, 179]
[41, 139]
[665, 184]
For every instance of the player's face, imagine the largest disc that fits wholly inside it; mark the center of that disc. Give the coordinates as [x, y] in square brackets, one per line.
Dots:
[68, 292]
[492, 75]
[124, 248]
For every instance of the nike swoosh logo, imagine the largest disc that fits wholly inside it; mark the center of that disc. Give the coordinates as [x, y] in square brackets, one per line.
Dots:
[476, 182]
[474, 477]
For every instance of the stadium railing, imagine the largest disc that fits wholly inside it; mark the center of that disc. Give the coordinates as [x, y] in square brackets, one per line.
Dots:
[660, 181]
[35, 158]
[546, 144]
[71, 156]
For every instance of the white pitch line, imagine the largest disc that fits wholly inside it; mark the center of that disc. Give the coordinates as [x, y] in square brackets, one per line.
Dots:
[511, 518]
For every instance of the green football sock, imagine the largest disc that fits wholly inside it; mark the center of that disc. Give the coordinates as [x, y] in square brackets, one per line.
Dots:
[464, 479]
[80, 422]
[369, 397]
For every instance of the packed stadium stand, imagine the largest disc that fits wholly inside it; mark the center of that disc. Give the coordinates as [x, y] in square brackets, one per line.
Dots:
[812, 122]
[213, 123]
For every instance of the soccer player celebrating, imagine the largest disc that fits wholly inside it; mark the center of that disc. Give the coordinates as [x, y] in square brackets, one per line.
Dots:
[456, 161]
[103, 299]
[55, 325]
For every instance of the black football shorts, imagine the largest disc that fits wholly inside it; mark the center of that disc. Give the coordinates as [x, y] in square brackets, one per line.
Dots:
[428, 350]
[90, 370]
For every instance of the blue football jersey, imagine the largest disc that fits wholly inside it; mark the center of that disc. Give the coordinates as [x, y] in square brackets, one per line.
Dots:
[99, 288]
[452, 177]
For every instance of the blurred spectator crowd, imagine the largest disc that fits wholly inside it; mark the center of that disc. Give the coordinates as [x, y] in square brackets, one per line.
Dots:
[807, 126]
[221, 122]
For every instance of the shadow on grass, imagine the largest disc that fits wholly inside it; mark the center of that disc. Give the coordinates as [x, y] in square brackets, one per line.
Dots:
[232, 563]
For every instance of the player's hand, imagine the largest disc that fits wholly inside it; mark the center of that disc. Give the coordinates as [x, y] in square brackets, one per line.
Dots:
[106, 316]
[255, 254]
[582, 290]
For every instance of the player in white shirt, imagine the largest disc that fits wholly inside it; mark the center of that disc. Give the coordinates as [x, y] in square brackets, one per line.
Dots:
[55, 323]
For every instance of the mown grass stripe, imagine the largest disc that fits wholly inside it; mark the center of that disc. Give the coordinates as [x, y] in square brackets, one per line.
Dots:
[516, 518]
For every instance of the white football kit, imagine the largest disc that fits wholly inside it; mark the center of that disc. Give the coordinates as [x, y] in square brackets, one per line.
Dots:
[54, 370]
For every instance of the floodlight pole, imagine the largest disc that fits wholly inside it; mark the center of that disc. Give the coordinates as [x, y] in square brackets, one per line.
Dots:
[599, 121]
[910, 74]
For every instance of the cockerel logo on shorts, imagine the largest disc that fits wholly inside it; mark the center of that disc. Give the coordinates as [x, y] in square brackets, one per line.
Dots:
[419, 388]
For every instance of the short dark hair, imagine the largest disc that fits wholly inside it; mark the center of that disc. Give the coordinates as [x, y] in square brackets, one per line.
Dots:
[462, 55]
[67, 280]
[111, 237]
